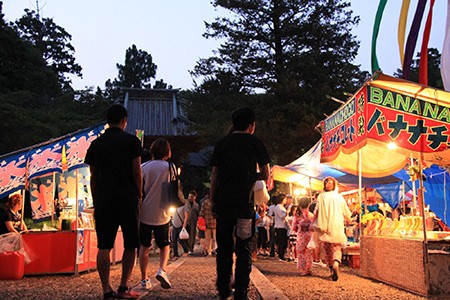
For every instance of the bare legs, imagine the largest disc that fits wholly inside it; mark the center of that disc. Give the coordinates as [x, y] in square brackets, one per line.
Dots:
[143, 259]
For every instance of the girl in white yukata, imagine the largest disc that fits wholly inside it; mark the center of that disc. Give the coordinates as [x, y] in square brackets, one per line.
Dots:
[330, 212]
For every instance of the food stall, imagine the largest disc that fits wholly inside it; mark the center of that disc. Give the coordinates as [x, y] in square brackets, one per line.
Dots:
[55, 184]
[392, 125]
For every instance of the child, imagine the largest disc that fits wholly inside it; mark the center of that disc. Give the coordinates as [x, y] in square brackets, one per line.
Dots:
[262, 225]
[301, 225]
[292, 235]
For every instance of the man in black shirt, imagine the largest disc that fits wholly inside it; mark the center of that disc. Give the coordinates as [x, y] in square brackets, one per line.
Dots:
[116, 183]
[234, 172]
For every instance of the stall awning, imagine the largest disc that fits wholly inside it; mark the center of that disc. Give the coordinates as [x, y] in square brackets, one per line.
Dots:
[387, 112]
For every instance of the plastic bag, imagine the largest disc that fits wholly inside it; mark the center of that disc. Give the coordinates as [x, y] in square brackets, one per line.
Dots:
[10, 242]
[311, 244]
[260, 193]
[184, 235]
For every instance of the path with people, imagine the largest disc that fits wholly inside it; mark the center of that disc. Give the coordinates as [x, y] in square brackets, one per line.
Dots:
[193, 277]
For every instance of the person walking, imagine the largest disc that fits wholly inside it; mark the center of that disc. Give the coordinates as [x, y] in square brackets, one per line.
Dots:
[179, 221]
[262, 226]
[330, 212]
[301, 225]
[194, 210]
[281, 226]
[116, 184]
[154, 216]
[271, 215]
[210, 218]
[234, 163]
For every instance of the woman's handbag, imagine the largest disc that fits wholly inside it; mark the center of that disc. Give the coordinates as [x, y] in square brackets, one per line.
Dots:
[260, 193]
[201, 223]
[176, 196]
[184, 235]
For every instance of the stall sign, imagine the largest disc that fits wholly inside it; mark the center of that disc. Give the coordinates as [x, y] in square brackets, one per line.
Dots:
[414, 124]
[345, 129]
[44, 159]
[13, 173]
[80, 246]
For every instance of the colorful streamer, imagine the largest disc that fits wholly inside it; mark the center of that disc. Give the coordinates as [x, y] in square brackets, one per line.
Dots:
[423, 66]
[445, 56]
[376, 29]
[402, 28]
[412, 38]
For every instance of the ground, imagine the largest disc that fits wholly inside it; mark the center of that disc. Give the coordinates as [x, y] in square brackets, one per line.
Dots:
[193, 277]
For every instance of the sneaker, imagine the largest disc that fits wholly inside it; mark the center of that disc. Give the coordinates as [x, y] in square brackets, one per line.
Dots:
[146, 284]
[127, 294]
[162, 277]
[109, 295]
[335, 271]
[190, 253]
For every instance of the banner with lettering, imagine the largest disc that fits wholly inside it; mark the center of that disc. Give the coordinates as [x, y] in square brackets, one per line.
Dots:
[388, 121]
[13, 173]
[411, 123]
[345, 130]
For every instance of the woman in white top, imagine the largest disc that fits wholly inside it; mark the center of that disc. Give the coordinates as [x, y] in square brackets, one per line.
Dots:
[281, 225]
[330, 212]
[154, 213]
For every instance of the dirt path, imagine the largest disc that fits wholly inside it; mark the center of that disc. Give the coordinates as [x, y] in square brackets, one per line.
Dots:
[194, 277]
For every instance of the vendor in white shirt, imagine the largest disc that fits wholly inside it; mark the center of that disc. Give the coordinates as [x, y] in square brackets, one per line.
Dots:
[281, 225]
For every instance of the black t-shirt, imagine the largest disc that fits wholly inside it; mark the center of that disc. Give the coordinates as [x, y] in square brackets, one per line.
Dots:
[6, 216]
[236, 156]
[112, 154]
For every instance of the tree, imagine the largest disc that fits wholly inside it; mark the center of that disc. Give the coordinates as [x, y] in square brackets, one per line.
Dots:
[22, 67]
[138, 69]
[284, 46]
[434, 71]
[295, 51]
[52, 42]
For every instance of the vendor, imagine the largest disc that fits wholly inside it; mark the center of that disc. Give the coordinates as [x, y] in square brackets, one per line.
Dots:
[10, 219]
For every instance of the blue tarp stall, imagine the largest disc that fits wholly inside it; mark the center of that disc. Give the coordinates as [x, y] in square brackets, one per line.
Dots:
[309, 172]
[29, 168]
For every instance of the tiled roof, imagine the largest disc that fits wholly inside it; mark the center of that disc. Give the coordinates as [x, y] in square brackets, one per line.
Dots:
[158, 112]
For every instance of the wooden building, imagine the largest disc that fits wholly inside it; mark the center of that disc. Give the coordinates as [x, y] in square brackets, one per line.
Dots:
[160, 113]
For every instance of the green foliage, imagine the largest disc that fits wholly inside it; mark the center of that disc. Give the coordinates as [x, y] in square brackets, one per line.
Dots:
[24, 127]
[295, 52]
[137, 72]
[32, 108]
[434, 69]
[22, 67]
[138, 69]
[52, 42]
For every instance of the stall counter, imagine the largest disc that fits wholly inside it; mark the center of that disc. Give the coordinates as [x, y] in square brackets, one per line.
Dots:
[404, 263]
[68, 251]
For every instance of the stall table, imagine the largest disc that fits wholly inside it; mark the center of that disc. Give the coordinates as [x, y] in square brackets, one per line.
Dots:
[402, 262]
[67, 251]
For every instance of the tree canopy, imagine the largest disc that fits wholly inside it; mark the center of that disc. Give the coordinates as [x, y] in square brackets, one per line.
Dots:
[52, 42]
[294, 52]
[434, 69]
[33, 108]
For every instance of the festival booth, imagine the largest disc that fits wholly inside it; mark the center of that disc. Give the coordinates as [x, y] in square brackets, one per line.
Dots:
[55, 184]
[391, 125]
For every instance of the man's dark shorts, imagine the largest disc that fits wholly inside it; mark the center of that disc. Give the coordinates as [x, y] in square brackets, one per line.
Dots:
[161, 233]
[107, 224]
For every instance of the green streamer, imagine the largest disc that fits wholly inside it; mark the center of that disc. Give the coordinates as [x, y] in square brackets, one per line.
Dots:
[376, 29]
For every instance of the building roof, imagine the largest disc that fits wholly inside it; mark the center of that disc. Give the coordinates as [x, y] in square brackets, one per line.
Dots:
[159, 112]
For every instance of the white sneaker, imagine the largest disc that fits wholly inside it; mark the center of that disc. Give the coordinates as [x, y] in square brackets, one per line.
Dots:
[146, 284]
[162, 277]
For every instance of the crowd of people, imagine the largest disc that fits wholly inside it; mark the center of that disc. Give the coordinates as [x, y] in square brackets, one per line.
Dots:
[134, 195]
